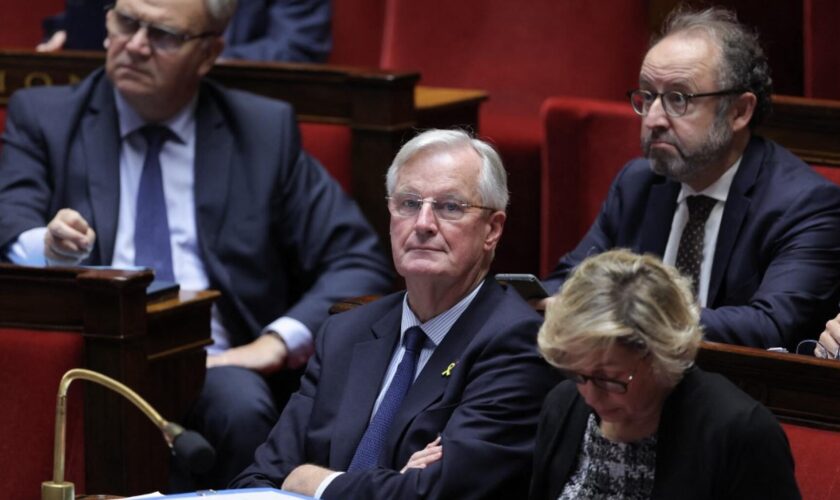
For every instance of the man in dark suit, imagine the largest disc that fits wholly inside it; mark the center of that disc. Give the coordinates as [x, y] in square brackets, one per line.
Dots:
[755, 228]
[466, 425]
[242, 209]
[264, 30]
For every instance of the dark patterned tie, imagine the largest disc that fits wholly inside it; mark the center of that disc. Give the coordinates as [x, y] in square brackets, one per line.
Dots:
[151, 225]
[370, 447]
[690, 251]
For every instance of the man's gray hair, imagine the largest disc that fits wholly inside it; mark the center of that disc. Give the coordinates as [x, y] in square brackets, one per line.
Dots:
[220, 13]
[492, 182]
[743, 63]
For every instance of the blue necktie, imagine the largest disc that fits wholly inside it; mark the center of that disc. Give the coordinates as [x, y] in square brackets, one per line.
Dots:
[370, 447]
[151, 226]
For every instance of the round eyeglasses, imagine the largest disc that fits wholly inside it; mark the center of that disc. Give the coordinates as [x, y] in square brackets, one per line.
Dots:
[409, 205]
[674, 102]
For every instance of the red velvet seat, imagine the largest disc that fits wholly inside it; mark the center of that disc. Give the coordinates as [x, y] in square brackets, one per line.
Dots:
[20, 23]
[821, 59]
[585, 143]
[520, 53]
[815, 453]
[31, 366]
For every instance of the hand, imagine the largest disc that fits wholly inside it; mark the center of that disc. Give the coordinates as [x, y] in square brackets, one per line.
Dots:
[305, 479]
[69, 238]
[266, 354]
[830, 338]
[55, 43]
[540, 304]
[427, 456]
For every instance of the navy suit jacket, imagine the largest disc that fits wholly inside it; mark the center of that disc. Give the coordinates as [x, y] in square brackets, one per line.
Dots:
[260, 30]
[485, 411]
[276, 233]
[776, 270]
[713, 443]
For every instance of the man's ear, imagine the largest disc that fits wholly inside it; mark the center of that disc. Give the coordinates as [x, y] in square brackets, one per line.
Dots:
[496, 222]
[742, 110]
[212, 48]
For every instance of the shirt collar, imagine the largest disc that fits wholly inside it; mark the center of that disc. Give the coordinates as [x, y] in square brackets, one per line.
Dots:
[437, 327]
[719, 190]
[182, 124]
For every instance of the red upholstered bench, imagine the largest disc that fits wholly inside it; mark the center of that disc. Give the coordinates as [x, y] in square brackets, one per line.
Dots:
[31, 365]
[520, 53]
[816, 453]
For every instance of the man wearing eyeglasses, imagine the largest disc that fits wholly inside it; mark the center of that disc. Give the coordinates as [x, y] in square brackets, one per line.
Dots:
[433, 392]
[145, 163]
[753, 226]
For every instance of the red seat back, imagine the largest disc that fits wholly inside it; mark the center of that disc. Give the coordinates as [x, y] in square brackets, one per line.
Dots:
[31, 366]
[585, 143]
[20, 22]
[821, 59]
[816, 454]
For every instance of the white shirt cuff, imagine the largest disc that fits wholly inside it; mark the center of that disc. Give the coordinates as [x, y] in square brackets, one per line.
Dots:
[28, 248]
[325, 483]
[296, 336]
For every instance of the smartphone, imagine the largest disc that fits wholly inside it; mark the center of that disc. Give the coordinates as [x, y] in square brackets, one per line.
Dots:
[528, 285]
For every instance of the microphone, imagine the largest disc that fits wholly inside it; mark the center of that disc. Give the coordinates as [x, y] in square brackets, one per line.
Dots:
[188, 444]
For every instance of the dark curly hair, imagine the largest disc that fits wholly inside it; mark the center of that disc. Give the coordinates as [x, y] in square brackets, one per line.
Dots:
[743, 63]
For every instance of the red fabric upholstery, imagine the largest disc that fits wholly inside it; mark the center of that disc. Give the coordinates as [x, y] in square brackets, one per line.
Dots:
[585, 143]
[31, 366]
[330, 144]
[520, 53]
[20, 23]
[357, 32]
[830, 173]
[815, 453]
[821, 59]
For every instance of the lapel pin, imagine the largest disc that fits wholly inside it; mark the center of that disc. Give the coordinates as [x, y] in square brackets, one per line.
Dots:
[449, 368]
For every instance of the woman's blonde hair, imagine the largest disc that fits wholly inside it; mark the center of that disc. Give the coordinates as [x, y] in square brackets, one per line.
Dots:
[629, 299]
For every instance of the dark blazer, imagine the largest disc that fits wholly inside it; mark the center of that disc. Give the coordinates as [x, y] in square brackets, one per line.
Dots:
[776, 271]
[714, 442]
[485, 411]
[260, 30]
[280, 30]
[277, 234]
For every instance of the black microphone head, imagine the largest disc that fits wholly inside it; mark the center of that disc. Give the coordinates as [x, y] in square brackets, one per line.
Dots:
[195, 451]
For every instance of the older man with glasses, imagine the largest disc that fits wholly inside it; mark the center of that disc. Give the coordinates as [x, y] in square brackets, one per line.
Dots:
[148, 164]
[755, 228]
[433, 392]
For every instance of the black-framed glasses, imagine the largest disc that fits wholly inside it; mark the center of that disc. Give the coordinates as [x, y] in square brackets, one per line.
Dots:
[674, 101]
[160, 37]
[607, 384]
[410, 204]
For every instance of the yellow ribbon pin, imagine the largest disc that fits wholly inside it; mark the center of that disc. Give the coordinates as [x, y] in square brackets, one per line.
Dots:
[448, 370]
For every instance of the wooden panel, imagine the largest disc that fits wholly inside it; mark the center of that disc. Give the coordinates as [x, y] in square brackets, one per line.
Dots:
[798, 389]
[156, 348]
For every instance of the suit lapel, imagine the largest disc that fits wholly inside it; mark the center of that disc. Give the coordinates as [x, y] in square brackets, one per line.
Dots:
[430, 384]
[659, 213]
[214, 146]
[734, 212]
[367, 367]
[100, 155]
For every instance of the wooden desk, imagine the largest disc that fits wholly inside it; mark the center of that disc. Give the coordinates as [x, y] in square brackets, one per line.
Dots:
[798, 389]
[156, 348]
[808, 127]
[383, 109]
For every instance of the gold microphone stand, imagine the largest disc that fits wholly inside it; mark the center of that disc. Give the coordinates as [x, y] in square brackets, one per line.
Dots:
[58, 488]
